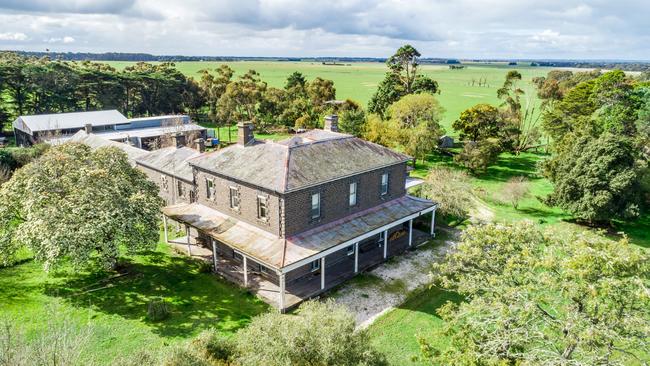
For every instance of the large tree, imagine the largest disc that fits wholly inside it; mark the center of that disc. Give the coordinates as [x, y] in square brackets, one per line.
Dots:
[534, 298]
[415, 124]
[78, 204]
[597, 180]
[403, 78]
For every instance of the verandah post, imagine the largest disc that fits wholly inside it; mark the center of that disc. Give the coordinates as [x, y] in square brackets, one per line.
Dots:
[189, 246]
[433, 222]
[385, 243]
[356, 257]
[282, 285]
[214, 254]
[245, 272]
[322, 273]
[410, 232]
[165, 229]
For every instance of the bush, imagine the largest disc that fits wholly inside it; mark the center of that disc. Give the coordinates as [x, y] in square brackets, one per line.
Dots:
[205, 267]
[477, 156]
[451, 189]
[213, 346]
[184, 356]
[516, 189]
[158, 309]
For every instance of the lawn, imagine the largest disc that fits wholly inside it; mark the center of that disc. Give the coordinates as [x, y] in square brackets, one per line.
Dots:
[358, 81]
[396, 333]
[117, 307]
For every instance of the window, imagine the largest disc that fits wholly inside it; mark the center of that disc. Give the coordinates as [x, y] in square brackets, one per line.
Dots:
[209, 185]
[234, 197]
[179, 185]
[237, 256]
[380, 241]
[315, 265]
[315, 205]
[350, 250]
[353, 194]
[163, 183]
[384, 184]
[262, 210]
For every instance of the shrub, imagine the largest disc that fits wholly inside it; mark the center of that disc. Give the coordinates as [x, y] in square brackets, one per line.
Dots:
[158, 309]
[515, 190]
[477, 156]
[205, 267]
[451, 189]
[211, 345]
[184, 356]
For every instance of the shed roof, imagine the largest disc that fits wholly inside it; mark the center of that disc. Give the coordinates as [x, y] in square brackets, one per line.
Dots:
[301, 161]
[95, 142]
[171, 160]
[59, 121]
[277, 252]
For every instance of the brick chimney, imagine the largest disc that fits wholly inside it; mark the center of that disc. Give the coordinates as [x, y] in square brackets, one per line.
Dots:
[178, 140]
[88, 128]
[200, 145]
[331, 123]
[245, 134]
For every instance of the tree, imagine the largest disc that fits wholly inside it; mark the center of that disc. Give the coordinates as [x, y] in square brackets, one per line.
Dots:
[479, 122]
[296, 79]
[320, 91]
[415, 123]
[78, 204]
[352, 118]
[378, 131]
[452, 191]
[401, 79]
[321, 333]
[534, 298]
[515, 189]
[520, 129]
[597, 180]
[241, 98]
[477, 156]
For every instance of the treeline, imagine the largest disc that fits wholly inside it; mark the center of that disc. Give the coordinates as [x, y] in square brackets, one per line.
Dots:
[30, 85]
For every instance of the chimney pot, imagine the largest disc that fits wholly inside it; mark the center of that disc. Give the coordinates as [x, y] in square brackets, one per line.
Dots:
[331, 123]
[88, 128]
[245, 134]
[200, 145]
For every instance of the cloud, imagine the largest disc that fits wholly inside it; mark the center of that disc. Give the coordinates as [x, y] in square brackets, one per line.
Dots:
[438, 28]
[9, 36]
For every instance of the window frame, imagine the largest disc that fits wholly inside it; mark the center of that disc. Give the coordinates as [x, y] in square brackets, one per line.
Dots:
[179, 188]
[235, 199]
[315, 212]
[353, 195]
[314, 265]
[262, 201]
[164, 183]
[209, 188]
[384, 187]
[350, 252]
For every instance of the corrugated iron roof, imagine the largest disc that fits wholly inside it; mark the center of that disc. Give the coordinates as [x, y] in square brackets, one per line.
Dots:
[59, 121]
[301, 161]
[95, 142]
[171, 160]
[277, 252]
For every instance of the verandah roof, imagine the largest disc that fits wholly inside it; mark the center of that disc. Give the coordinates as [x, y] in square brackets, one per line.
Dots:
[278, 252]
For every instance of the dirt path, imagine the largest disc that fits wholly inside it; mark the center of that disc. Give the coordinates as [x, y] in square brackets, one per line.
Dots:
[378, 291]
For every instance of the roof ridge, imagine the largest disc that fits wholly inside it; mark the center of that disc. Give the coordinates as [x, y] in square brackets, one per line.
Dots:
[314, 142]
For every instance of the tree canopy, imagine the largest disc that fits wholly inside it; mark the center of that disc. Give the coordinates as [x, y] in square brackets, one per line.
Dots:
[74, 203]
[402, 79]
[532, 297]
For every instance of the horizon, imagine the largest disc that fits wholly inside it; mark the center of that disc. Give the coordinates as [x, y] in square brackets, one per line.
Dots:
[494, 29]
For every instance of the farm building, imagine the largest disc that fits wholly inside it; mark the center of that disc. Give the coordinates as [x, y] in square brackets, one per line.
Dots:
[148, 133]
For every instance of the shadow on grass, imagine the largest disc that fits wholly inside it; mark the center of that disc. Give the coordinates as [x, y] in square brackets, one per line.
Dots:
[198, 300]
[509, 166]
[429, 300]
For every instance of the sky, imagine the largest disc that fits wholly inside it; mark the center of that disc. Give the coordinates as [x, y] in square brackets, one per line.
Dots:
[506, 29]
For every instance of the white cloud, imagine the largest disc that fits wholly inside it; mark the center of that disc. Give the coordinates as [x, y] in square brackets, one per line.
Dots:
[438, 28]
[9, 36]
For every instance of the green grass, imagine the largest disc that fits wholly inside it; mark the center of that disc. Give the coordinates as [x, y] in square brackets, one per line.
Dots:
[118, 313]
[396, 333]
[359, 80]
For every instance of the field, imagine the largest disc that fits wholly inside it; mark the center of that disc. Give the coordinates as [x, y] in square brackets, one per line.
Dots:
[359, 80]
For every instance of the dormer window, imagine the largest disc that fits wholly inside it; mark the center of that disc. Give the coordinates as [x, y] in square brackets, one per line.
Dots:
[384, 184]
[315, 205]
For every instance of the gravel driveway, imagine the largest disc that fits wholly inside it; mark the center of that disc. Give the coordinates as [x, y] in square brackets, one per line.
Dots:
[378, 291]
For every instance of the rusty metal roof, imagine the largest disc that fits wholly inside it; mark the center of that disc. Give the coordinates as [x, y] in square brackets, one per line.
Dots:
[278, 252]
[301, 161]
[171, 160]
